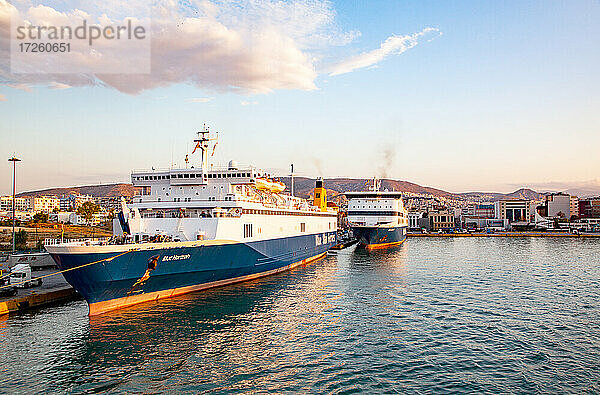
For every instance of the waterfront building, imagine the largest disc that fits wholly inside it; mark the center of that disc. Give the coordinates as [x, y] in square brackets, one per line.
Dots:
[574, 207]
[558, 205]
[589, 207]
[413, 219]
[440, 220]
[485, 223]
[513, 210]
[44, 204]
[480, 210]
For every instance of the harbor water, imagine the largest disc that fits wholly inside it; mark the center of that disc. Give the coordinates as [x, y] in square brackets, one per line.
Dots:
[432, 315]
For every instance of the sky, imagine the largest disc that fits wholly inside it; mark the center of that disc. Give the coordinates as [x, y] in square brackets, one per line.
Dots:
[462, 96]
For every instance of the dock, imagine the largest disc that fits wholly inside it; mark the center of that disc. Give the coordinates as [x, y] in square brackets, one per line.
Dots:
[54, 289]
[507, 234]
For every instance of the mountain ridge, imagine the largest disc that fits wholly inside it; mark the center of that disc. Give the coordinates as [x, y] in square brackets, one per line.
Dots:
[303, 187]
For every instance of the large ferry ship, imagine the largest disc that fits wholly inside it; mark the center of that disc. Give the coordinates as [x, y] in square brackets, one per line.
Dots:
[377, 218]
[194, 228]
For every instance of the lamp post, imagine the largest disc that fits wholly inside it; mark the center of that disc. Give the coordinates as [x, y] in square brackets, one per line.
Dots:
[14, 160]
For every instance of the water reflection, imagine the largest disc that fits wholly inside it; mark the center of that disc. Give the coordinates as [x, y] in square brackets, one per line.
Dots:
[466, 315]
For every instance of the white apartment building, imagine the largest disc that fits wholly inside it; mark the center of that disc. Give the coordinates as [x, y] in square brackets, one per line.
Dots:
[21, 204]
[44, 204]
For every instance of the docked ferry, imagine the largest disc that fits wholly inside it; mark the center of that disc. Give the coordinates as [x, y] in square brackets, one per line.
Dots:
[377, 218]
[194, 228]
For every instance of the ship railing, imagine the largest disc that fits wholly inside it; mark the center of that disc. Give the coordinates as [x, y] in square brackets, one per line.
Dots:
[79, 241]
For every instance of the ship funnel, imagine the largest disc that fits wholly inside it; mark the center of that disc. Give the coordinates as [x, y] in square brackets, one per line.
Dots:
[320, 195]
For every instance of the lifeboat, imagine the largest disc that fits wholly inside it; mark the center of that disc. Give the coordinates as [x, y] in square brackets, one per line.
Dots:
[269, 185]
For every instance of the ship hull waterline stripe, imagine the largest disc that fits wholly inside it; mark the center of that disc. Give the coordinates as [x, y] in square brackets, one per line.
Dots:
[115, 304]
[383, 245]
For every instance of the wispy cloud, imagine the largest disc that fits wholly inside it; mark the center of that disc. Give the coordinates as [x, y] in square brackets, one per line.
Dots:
[21, 86]
[58, 85]
[2, 97]
[393, 45]
[200, 99]
[248, 103]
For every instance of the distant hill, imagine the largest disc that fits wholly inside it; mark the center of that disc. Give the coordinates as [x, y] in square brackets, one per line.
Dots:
[523, 193]
[106, 190]
[304, 188]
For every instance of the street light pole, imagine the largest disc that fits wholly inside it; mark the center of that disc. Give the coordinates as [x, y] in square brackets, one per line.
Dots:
[14, 160]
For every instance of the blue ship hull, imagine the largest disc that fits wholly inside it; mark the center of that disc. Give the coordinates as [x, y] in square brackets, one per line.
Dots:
[375, 237]
[140, 275]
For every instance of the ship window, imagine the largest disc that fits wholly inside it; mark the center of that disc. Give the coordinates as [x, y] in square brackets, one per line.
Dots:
[302, 227]
[186, 176]
[247, 230]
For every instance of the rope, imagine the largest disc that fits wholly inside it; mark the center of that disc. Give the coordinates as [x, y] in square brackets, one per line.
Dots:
[68, 270]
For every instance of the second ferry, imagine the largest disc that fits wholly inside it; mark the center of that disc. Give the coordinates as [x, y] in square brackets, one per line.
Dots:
[195, 228]
[377, 218]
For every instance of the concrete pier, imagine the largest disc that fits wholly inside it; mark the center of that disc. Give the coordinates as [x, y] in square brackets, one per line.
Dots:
[53, 289]
[507, 234]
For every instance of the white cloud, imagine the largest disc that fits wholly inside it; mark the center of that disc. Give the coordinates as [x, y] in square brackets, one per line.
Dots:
[393, 45]
[249, 46]
[248, 103]
[245, 46]
[200, 99]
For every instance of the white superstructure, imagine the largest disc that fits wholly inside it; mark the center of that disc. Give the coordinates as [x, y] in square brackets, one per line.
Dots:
[230, 203]
[375, 208]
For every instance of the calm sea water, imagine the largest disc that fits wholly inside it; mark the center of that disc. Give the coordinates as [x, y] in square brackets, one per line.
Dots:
[434, 315]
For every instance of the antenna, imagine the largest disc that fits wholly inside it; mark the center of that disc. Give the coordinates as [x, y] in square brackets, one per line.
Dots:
[292, 175]
[202, 142]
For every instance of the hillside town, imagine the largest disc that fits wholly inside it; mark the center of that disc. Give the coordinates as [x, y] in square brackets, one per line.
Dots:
[555, 211]
[73, 208]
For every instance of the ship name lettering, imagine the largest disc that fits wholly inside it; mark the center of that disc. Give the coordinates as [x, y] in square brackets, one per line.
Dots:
[175, 257]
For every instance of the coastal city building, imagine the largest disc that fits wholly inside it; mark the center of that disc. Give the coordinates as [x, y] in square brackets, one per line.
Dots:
[413, 219]
[44, 204]
[21, 204]
[440, 220]
[480, 210]
[73, 201]
[574, 207]
[514, 210]
[558, 205]
[589, 207]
